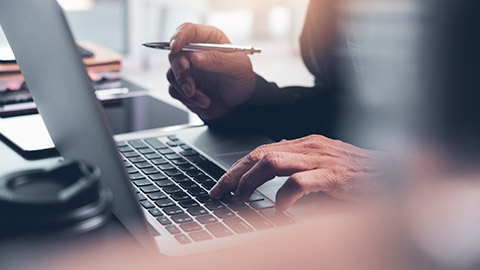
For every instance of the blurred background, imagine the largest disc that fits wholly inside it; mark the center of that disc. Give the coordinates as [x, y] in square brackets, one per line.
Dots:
[123, 25]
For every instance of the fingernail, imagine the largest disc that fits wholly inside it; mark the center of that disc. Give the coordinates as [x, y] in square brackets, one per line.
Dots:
[171, 43]
[187, 89]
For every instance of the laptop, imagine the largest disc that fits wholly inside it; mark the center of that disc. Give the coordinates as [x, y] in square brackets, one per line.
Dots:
[159, 179]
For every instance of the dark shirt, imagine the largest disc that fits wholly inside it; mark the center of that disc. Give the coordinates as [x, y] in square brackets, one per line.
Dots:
[292, 112]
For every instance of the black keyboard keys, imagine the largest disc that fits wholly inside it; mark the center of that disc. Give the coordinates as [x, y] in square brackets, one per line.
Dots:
[172, 210]
[197, 211]
[237, 225]
[206, 219]
[182, 239]
[190, 226]
[218, 230]
[200, 236]
[181, 218]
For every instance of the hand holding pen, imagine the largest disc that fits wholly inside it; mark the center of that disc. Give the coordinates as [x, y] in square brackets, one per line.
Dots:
[211, 80]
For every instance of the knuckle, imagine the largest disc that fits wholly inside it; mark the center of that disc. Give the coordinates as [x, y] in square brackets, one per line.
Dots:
[271, 160]
[298, 181]
[257, 153]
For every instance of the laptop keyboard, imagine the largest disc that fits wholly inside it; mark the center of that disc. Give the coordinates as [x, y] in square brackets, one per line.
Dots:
[172, 182]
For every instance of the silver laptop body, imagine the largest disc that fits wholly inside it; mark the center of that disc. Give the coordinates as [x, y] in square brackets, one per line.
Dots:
[47, 55]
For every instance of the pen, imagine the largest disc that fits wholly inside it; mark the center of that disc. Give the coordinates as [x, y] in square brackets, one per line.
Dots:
[199, 47]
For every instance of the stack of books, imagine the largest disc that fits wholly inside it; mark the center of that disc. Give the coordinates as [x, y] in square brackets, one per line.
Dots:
[102, 65]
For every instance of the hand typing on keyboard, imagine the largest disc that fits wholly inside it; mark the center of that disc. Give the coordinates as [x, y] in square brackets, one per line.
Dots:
[314, 163]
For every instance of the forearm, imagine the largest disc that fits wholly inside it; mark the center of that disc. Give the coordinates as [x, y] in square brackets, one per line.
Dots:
[279, 113]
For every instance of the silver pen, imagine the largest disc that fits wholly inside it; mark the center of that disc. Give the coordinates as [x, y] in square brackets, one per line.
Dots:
[200, 47]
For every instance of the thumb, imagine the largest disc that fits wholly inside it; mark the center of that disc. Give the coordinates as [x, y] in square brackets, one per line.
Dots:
[214, 61]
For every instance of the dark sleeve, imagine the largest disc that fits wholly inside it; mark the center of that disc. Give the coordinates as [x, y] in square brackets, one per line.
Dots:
[281, 113]
[292, 112]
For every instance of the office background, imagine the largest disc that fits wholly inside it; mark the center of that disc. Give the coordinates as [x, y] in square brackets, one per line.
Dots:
[122, 25]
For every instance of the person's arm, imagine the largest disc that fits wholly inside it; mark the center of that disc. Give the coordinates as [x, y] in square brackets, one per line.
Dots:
[282, 113]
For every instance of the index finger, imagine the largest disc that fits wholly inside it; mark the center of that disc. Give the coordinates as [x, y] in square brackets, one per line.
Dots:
[189, 32]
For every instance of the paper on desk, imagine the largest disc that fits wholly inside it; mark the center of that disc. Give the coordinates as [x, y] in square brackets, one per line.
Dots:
[28, 132]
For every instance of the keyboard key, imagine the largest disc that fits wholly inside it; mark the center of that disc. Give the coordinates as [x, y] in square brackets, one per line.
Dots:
[200, 236]
[147, 204]
[180, 195]
[172, 137]
[210, 168]
[238, 207]
[180, 161]
[162, 203]
[173, 210]
[155, 143]
[143, 165]
[140, 197]
[237, 225]
[121, 143]
[156, 196]
[164, 183]
[136, 176]
[194, 172]
[164, 220]
[146, 151]
[159, 161]
[132, 170]
[166, 151]
[180, 178]
[185, 147]
[172, 189]
[153, 156]
[262, 204]
[204, 199]
[172, 144]
[173, 229]
[173, 156]
[255, 219]
[205, 219]
[125, 148]
[148, 189]
[131, 154]
[188, 153]
[150, 171]
[172, 172]
[181, 218]
[141, 183]
[190, 226]
[166, 167]
[155, 212]
[137, 159]
[197, 191]
[218, 230]
[215, 205]
[223, 213]
[157, 176]
[186, 167]
[208, 184]
[137, 144]
[188, 203]
[197, 211]
[182, 239]
[196, 159]
[282, 220]
[188, 184]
